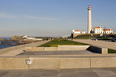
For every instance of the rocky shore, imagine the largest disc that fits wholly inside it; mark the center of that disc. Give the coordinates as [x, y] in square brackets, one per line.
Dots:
[16, 40]
[1, 39]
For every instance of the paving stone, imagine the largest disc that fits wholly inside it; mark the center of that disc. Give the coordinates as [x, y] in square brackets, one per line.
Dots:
[60, 73]
[3, 73]
[87, 74]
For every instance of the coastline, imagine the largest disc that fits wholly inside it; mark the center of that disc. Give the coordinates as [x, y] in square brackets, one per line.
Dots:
[2, 46]
[6, 46]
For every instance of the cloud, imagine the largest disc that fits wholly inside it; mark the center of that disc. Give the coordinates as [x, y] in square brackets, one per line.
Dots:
[5, 15]
[40, 18]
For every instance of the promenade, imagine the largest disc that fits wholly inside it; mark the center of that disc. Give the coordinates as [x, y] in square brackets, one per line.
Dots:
[54, 59]
[13, 51]
[106, 44]
[100, 72]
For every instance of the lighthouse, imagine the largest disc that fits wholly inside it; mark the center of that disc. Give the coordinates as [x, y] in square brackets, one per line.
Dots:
[89, 20]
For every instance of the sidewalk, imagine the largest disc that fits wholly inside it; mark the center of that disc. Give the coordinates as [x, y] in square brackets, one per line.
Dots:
[106, 44]
[106, 72]
[19, 50]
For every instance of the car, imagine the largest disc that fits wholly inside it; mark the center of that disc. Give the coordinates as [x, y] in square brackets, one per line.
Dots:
[114, 40]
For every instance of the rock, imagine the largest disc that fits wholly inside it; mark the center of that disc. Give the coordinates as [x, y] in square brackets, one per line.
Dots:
[16, 38]
[1, 39]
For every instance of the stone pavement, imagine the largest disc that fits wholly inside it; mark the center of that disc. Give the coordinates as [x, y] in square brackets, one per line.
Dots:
[106, 44]
[79, 52]
[106, 72]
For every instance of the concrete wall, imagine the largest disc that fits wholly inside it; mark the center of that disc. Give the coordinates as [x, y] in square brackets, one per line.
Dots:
[69, 47]
[5, 50]
[98, 49]
[18, 63]
[41, 48]
[45, 63]
[72, 63]
[59, 63]
[13, 63]
[69, 63]
[10, 49]
[103, 62]
[72, 47]
[59, 48]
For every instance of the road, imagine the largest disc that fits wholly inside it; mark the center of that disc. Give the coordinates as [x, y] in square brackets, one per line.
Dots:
[106, 44]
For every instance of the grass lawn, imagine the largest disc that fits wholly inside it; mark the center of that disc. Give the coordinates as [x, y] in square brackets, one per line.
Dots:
[111, 51]
[86, 36]
[56, 42]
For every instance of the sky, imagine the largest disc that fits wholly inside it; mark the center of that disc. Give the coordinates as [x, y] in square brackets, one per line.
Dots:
[53, 17]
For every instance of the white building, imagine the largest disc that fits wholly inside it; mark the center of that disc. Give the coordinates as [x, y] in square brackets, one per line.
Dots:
[29, 38]
[99, 30]
[83, 32]
[107, 31]
[76, 32]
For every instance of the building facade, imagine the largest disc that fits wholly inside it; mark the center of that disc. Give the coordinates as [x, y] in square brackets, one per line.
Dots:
[99, 30]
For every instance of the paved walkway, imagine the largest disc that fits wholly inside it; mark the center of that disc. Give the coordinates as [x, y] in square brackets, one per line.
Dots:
[79, 52]
[19, 50]
[107, 72]
[111, 45]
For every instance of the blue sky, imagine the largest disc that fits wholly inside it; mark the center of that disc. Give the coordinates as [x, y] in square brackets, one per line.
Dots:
[53, 17]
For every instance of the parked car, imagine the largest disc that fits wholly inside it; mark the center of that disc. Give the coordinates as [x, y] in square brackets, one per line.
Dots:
[114, 40]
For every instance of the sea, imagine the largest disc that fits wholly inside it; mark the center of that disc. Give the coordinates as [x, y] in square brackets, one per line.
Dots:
[6, 46]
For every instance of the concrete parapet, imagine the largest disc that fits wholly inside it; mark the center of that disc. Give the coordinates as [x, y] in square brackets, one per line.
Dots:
[41, 48]
[71, 63]
[103, 62]
[13, 63]
[45, 63]
[98, 49]
[59, 63]
[21, 47]
[59, 48]
[104, 50]
[73, 47]
[5, 50]
[18, 63]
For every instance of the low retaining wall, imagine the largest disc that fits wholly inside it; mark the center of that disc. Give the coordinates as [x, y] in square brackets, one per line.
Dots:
[14, 63]
[59, 48]
[69, 48]
[72, 47]
[41, 48]
[45, 63]
[98, 49]
[103, 62]
[6, 50]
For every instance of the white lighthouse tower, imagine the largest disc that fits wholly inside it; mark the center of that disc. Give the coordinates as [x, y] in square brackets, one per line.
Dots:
[89, 20]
